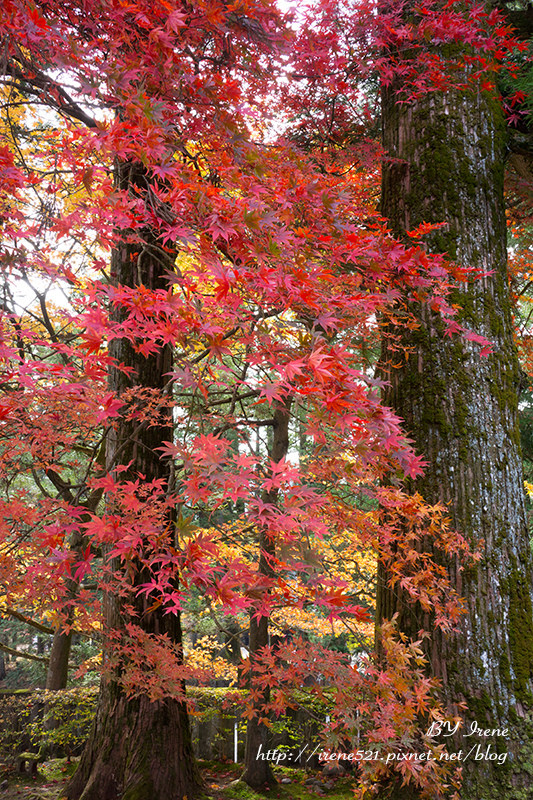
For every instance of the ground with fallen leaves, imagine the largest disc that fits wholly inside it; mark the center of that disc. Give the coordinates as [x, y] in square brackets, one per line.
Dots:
[221, 780]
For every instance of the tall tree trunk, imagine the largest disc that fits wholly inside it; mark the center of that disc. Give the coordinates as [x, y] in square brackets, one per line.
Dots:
[446, 164]
[258, 770]
[57, 673]
[58, 664]
[138, 749]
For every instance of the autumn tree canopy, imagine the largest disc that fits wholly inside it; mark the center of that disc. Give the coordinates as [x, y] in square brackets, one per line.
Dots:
[197, 277]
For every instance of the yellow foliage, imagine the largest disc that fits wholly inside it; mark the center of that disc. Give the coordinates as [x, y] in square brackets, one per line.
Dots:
[204, 657]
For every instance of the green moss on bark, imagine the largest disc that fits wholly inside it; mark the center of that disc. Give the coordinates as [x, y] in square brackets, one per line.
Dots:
[521, 634]
[461, 410]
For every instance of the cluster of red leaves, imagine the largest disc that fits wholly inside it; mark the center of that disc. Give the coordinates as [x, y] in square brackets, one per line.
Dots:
[343, 52]
[380, 706]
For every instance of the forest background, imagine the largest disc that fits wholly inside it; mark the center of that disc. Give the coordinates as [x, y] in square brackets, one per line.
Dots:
[222, 297]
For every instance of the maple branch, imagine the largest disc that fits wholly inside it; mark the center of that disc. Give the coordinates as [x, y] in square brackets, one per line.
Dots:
[46, 321]
[27, 620]
[232, 635]
[206, 352]
[64, 489]
[45, 87]
[18, 330]
[20, 654]
[258, 423]
[44, 628]
[225, 400]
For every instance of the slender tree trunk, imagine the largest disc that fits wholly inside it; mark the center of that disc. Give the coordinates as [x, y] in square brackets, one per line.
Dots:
[58, 664]
[446, 164]
[258, 771]
[138, 750]
[57, 673]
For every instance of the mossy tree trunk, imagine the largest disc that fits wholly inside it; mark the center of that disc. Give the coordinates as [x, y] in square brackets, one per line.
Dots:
[446, 159]
[138, 749]
[258, 770]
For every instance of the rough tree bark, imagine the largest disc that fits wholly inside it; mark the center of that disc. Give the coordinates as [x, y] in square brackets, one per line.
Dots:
[257, 770]
[446, 164]
[138, 750]
[57, 673]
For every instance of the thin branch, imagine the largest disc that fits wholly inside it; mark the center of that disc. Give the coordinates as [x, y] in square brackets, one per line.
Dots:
[27, 75]
[20, 654]
[27, 620]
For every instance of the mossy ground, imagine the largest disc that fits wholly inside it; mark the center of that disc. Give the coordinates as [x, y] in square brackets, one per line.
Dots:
[46, 785]
[223, 784]
[220, 779]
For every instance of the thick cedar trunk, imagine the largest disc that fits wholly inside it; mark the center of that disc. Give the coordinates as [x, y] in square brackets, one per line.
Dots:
[461, 410]
[138, 750]
[258, 771]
